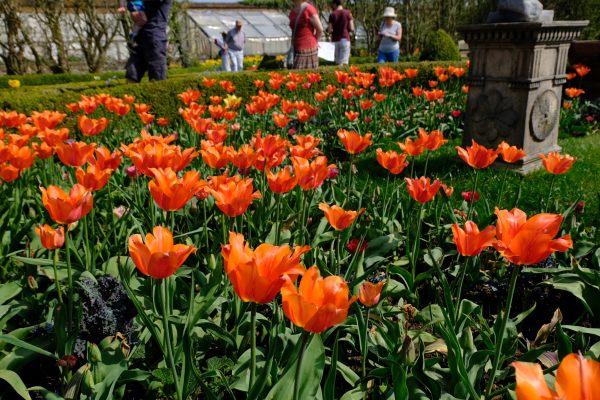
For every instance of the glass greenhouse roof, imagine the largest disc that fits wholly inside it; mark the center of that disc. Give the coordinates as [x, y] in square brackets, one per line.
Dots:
[258, 24]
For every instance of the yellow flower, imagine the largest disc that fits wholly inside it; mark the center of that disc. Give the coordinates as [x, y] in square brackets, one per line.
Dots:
[14, 83]
[279, 58]
[232, 101]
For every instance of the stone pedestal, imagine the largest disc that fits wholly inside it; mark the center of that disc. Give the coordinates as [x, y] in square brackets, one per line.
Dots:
[516, 78]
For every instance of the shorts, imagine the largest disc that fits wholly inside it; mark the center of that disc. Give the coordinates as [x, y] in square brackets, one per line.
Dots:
[135, 5]
[342, 52]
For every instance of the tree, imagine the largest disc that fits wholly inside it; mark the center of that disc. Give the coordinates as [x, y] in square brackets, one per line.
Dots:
[49, 14]
[13, 49]
[95, 30]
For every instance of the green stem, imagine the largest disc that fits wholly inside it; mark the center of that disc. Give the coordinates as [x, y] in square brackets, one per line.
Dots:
[365, 350]
[56, 279]
[338, 254]
[461, 281]
[472, 205]
[253, 346]
[168, 340]
[501, 193]
[426, 163]
[69, 281]
[550, 193]
[277, 216]
[304, 339]
[413, 256]
[503, 322]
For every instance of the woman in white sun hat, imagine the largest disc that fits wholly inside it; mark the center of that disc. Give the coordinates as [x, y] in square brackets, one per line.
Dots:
[390, 34]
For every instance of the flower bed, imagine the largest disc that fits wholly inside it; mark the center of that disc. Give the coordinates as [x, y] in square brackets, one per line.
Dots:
[236, 248]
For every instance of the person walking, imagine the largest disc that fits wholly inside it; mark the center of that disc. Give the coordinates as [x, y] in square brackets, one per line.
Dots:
[390, 34]
[341, 24]
[150, 53]
[223, 52]
[306, 32]
[236, 40]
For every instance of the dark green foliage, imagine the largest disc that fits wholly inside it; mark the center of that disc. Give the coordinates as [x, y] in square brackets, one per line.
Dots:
[440, 46]
[163, 95]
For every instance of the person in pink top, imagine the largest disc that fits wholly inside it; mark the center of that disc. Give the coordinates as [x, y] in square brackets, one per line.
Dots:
[305, 37]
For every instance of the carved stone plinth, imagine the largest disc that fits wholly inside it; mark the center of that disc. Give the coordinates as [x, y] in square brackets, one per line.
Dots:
[516, 77]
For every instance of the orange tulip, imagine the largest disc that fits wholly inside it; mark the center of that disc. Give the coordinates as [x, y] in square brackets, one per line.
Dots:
[306, 147]
[432, 95]
[574, 92]
[422, 190]
[42, 150]
[94, 178]
[581, 70]
[353, 142]
[338, 217]
[366, 104]
[576, 379]
[51, 238]
[369, 293]
[12, 119]
[352, 115]
[477, 156]
[53, 137]
[412, 147]
[311, 175]
[171, 193]
[447, 190]
[379, 97]
[392, 161]
[47, 119]
[271, 149]
[152, 153]
[189, 96]
[158, 258]
[91, 127]
[470, 241]
[557, 164]
[258, 275]
[244, 158]
[8, 173]
[67, 208]
[510, 154]
[527, 242]
[75, 153]
[281, 120]
[319, 303]
[104, 159]
[432, 141]
[234, 197]
[21, 157]
[283, 181]
[411, 72]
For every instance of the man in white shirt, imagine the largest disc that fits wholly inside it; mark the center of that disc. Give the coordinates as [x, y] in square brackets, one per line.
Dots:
[236, 40]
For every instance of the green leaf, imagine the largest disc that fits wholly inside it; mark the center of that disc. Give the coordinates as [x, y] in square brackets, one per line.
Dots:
[380, 247]
[19, 343]
[15, 382]
[582, 329]
[8, 291]
[311, 372]
[329, 389]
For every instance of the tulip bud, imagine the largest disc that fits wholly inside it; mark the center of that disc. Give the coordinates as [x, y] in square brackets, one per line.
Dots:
[95, 354]
[88, 384]
[32, 283]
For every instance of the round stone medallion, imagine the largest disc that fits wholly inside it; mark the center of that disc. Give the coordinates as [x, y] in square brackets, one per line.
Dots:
[544, 115]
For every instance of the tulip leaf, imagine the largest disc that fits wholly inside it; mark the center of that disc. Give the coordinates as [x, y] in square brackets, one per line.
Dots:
[311, 371]
[9, 290]
[20, 343]
[15, 382]
[582, 329]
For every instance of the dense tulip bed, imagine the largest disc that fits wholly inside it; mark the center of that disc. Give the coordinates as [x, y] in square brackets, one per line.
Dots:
[239, 252]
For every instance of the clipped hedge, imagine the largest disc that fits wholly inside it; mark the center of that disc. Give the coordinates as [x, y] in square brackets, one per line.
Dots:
[439, 45]
[163, 95]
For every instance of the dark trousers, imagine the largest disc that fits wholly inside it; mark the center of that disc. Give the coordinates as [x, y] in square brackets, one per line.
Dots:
[150, 56]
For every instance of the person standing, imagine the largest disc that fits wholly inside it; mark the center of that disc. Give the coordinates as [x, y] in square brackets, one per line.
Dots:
[150, 53]
[390, 34]
[223, 52]
[236, 40]
[341, 24]
[306, 32]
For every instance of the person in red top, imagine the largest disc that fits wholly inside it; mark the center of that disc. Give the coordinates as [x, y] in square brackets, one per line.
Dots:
[341, 24]
[305, 38]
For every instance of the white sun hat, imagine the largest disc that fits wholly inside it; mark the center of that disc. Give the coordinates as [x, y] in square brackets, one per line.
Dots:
[389, 12]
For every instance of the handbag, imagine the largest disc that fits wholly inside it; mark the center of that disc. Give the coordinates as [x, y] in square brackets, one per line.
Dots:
[289, 58]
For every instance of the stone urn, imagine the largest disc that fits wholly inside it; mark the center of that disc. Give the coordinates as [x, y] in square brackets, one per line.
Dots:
[516, 78]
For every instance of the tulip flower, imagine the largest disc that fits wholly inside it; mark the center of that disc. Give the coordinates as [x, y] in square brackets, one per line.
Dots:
[339, 218]
[104, 159]
[352, 246]
[369, 293]
[8, 173]
[281, 120]
[75, 154]
[470, 241]
[258, 275]
[581, 70]
[91, 127]
[216, 156]
[576, 379]
[171, 193]
[510, 154]
[244, 158]
[470, 197]
[51, 238]
[306, 147]
[353, 142]
[283, 181]
[392, 161]
[94, 178]
[477, 156]
[422, 189]
[158, 257]
[47, 119]
[556, 164]
[234, 196]
[574, 92]
[527, 242]
[311, 175]
[319, 303]
[67, 208]
[412, 147]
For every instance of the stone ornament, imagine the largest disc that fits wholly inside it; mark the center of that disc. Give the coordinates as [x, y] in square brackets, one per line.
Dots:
[495, 115]
[544, 115]
[520, 11]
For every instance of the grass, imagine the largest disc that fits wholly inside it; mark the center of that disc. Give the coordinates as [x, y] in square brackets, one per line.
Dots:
[526, 192]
